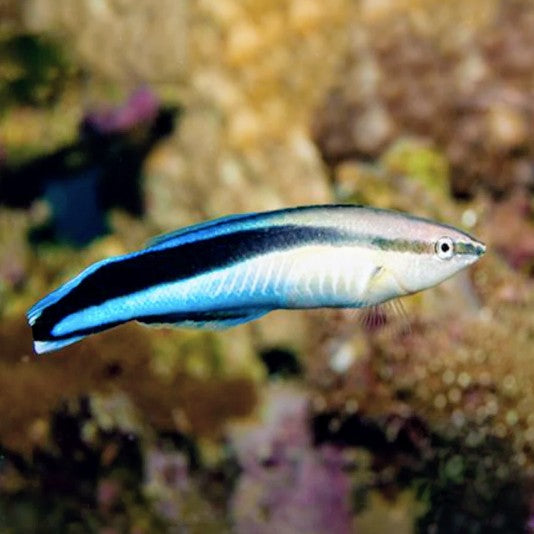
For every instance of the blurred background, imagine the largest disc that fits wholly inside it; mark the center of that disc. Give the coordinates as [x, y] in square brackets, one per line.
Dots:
[120, 120]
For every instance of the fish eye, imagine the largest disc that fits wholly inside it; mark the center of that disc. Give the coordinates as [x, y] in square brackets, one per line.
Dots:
[445, 248]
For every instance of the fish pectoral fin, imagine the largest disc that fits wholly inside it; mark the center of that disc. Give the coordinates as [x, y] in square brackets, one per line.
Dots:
[215, 320]
[378, 275]
[380, 285]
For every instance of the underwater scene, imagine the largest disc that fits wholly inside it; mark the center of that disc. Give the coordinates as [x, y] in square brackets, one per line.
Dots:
[387, 386]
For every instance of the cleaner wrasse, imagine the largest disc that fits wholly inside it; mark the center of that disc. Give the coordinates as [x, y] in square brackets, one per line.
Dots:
[235, 269]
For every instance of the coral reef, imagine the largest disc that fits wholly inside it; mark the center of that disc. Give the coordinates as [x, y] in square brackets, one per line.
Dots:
[103, 473]
[310, 421]
[288, 485]
[467, 92]
[119, 362]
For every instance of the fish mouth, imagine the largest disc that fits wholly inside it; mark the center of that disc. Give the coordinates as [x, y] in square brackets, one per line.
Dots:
[471, 249]
[476, 251]
[480, 249]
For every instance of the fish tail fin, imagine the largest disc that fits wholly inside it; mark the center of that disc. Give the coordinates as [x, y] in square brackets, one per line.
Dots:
[42, 347]
[42, 326]
[33, 314]
[48, 312]
[39, 307]
[45, 340]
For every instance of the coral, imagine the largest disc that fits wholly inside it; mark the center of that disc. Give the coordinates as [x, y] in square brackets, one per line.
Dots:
[143, 43]
[13, 258]
[177, 493]
[384, 515]
[287, 485]
[142, 106]
[103, 473]
[463, 86]
[457, 485]
[412, 104]
[117, 362]
[510, 231]
[34, 71]
[420, 163]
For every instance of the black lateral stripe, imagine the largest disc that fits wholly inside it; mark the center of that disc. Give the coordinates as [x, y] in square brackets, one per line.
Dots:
[401, 245]
[160, 266]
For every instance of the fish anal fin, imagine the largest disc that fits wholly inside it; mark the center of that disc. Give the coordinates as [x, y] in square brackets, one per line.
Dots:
[216, 320]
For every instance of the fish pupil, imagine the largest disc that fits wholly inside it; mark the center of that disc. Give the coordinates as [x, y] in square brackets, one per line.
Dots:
[445, 247]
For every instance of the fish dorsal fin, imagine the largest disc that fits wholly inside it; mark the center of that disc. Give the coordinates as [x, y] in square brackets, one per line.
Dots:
[193, 231]
[231, 223]
[208, 229]
[215, 320]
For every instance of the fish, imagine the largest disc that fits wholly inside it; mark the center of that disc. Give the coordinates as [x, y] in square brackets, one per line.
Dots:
[232, 270]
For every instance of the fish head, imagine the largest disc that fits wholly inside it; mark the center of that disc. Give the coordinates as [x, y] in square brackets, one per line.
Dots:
[433, 254]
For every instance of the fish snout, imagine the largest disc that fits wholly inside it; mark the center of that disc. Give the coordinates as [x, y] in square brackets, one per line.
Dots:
[480, 249]
[470, 250]
[475, 251]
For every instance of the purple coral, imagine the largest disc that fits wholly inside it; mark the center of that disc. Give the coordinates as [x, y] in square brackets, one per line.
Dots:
[287, 484]
[141, 107]
[167, 479]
